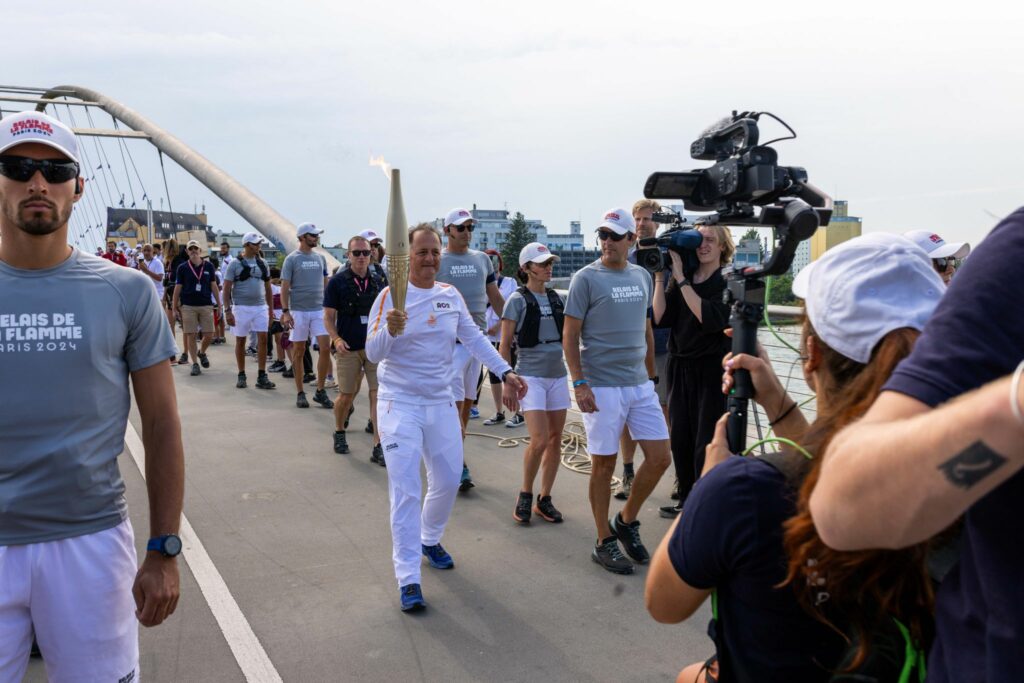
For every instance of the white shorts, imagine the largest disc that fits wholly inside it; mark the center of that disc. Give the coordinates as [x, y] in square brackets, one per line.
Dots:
[546, 393]
[307, 324]
[466, 373]
[249, 319]
[617, 407]
[77, 595]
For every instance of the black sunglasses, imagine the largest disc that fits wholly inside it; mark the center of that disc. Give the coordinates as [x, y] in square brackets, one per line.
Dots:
[942, 263]
[464, 227]
[22, 169]
[614, 237]
[360, 252]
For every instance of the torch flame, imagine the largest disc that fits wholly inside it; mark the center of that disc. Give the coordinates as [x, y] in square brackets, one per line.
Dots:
[384, 166]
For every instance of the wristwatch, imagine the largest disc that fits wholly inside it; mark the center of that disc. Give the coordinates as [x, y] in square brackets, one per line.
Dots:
[286, 310]
[167, 545]
[505, 375]
[654, 379]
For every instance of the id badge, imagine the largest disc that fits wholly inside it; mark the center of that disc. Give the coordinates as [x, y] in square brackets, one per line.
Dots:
[199, 288]
[365, 320]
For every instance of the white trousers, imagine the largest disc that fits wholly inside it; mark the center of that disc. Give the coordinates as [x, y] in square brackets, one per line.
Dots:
[410, 434]
[76, 594]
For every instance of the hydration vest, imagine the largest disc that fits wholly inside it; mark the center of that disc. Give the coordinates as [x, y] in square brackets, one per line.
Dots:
[356, 302]
[247, 269]
[529, 333]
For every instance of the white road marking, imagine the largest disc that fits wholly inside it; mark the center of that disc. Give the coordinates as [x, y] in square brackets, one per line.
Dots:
[245, 646]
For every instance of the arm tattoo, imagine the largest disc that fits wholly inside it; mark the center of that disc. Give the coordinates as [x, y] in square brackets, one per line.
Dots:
[972, 465]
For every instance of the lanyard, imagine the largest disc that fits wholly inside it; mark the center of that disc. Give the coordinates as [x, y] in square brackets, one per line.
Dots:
[199, 275]
[362, 287]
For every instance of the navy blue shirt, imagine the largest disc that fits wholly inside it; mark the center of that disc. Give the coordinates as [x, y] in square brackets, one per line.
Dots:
[975, 336]
[352, 328]
[661, 334]
[186, 277]
[730, 538]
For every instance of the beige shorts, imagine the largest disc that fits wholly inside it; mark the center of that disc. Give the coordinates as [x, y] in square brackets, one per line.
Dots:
[195, 317]
[349, 370]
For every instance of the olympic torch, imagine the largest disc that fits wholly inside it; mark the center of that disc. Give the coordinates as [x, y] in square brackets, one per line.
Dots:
[397, 241]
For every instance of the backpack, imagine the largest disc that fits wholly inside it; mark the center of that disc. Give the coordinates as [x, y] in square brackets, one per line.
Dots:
[529, 332]
[247, 269]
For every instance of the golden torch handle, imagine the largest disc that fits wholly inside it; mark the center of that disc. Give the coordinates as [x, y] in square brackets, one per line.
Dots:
[397, 245]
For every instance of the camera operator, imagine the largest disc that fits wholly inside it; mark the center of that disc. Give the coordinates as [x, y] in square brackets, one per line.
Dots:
[692, 307]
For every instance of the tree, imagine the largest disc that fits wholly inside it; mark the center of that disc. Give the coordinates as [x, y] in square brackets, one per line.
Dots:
[781, 293]
[753, 234]
[517, 237]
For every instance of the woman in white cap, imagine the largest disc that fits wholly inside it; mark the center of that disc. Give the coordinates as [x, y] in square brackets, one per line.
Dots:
[533, 316]
[786, 607]
[945, 256]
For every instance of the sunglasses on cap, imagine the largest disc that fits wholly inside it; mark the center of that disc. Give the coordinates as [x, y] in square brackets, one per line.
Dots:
[465, 226]
[941, 264]
[607, 234]
[360, 252]
[22, 169]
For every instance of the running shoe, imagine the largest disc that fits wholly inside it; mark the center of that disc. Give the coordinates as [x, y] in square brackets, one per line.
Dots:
[412, 598]
[629, 536]
[300, 400]
[626, 486]
[330, 383]
[183, 360]
[241, 381]
[522, 512]
[496, 420]
[308, 377]
[474, 413]
[670, 511]
[369, 427]
[263, 382]
[204, 360]
[378, 456]
[196, 370]
[438, 557]
[276, 366]
[250, 351]
[517, 421]
[287, 372]
[340, 443]
[321, 397]
[607, 554]
[547, 511]
[466, 482]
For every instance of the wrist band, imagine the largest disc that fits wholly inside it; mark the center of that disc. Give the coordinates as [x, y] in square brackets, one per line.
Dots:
[1014, 391]
[784, 415]
[578, 383]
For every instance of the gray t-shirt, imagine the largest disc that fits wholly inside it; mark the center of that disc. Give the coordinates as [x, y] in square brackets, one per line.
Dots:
[306, 273]
[251, 292]
[76, 329]
[613, 306]
[544, 359]
[469, 273]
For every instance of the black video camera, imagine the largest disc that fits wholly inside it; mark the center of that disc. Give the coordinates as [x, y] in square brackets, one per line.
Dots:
[652, 252]
[746, 176]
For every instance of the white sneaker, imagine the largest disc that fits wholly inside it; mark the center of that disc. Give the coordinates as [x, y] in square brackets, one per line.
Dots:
[330, 383]
[517, 421]
[497, 419]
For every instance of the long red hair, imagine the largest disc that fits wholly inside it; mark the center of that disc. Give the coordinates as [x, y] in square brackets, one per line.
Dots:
[866, 587]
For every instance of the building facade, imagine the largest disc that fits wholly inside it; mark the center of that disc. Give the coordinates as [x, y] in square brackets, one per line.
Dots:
[841, 228]
[133, 226]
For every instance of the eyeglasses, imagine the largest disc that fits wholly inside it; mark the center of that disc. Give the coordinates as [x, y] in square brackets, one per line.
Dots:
[605, 235]
[360, 252]
[941, 264]
[464, 227]
[22, 169]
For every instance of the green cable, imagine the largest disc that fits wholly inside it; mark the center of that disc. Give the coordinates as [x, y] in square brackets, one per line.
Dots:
[784, 441]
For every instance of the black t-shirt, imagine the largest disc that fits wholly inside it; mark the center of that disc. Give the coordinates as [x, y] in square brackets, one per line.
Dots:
[352, 328]
[692, 339]
[976, 335]
[730, 538]
[195, 291]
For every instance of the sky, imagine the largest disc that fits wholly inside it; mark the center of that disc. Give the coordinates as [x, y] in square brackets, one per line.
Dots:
[910, 111]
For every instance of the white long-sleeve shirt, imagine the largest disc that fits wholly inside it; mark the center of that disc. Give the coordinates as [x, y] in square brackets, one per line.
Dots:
[417, 366]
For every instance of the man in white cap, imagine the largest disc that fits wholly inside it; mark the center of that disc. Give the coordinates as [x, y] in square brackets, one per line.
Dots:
[378, 258]
[945, 256]
[303, 279]
[249, 303]
[472, 273]
[74, 321]
[608, 309]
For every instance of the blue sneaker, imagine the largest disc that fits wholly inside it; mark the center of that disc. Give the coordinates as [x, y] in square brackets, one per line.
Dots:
[412, 598]
[466, 481]
[474, 413]
[438, 557]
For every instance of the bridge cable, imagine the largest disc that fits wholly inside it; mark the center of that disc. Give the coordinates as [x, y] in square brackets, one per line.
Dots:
[120, 148]
[145, 195]
[88, 201]
[99, 153]
[103, 151]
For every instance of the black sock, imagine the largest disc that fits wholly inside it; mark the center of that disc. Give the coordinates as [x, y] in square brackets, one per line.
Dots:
[627, 468]
[339, 431]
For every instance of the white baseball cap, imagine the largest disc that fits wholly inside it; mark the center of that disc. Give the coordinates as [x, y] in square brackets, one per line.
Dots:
[193, 243]
[370, 235]
[858, 292]
[935, 246]
[618, 221]
[307, 229]
[535, 252]
[253, 238]
[458, 217]
[32, 126]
